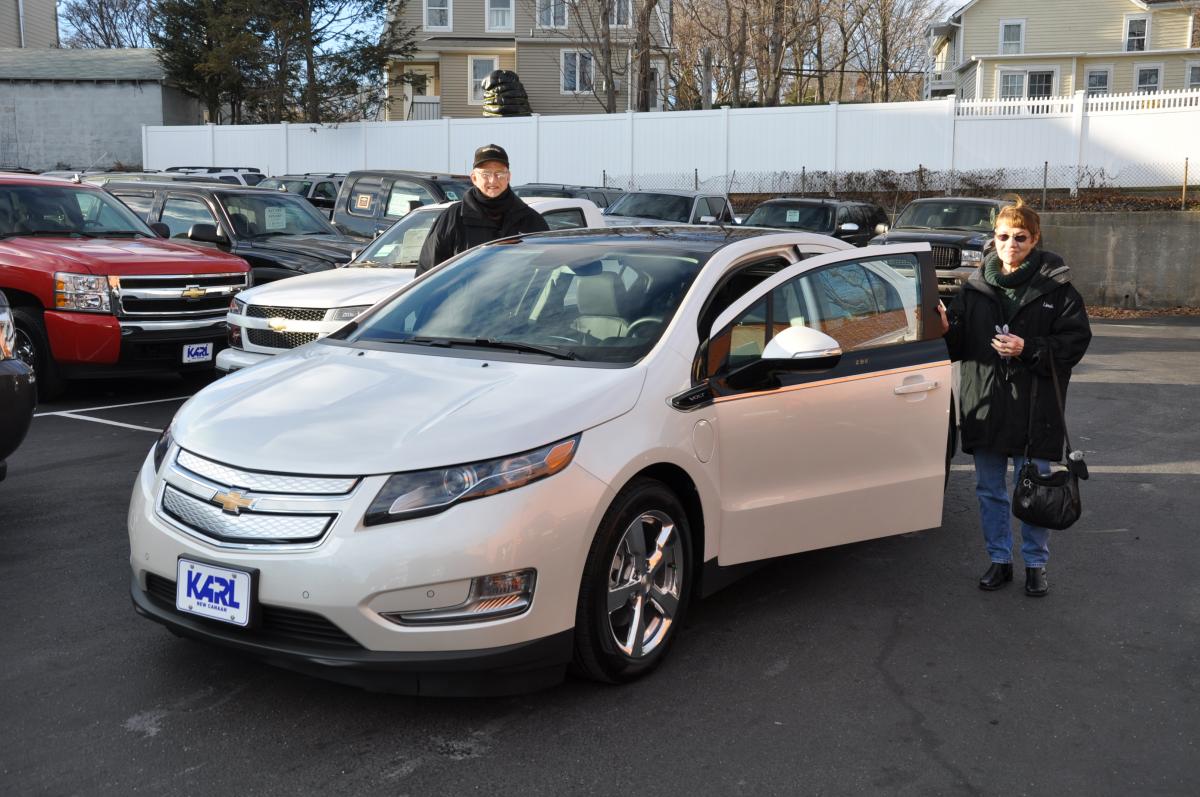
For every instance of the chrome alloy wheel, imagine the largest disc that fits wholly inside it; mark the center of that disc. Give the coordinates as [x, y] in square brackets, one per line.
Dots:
[644, 584]
[24, 349]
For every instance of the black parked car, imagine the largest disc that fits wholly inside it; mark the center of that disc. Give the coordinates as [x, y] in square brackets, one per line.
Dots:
[958, 228]
[18, 394]
[371, 201]
[853, 222]
[276, 232]
[319, 189]
[603, 197]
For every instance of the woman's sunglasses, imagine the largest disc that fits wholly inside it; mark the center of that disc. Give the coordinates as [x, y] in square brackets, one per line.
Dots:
[1003, 236]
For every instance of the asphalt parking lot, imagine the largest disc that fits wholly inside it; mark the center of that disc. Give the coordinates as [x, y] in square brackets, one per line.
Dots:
[871, 668]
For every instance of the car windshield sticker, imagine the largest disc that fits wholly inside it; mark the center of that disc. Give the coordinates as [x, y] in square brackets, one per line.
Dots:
[385, 250]
[793, 215]
[276, 218]
[363, 201]
[452, 196]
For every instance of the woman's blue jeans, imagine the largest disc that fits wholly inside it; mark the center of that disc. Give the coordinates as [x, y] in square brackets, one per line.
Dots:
[995, 512]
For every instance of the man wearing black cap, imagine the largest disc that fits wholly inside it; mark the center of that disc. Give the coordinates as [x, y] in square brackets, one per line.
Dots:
[490, 210]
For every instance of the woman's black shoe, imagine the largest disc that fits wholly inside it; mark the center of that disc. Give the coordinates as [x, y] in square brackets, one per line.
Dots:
[1035, 582]
[996, 576]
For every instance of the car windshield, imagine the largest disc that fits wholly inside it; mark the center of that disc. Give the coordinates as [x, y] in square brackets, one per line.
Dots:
[814, 218]
[263, 213]
[948, 216]
[576, 300]
[292, 186]
[666, 207]
[66, 211]
[400, 245]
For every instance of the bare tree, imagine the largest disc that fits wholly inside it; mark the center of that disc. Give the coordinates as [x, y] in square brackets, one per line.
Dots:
[106, 23]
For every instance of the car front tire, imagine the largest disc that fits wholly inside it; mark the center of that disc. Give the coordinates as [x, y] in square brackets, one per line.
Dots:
[33, 348]
[636, 584]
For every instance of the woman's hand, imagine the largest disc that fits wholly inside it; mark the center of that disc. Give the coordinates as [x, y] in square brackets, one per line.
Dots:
[945, 320]
[1008, 345]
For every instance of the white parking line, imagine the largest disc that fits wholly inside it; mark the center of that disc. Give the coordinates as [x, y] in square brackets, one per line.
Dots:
[104, 421]
[113, 407]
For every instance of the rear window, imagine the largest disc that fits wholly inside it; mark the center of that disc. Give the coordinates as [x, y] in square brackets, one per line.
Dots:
[364, 196]
[813, 218]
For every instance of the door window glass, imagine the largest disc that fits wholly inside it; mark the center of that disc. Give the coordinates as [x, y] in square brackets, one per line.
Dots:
[140, 204]
[364, 196]
[180, 214]
[565, 219]
[404, 197]
[325, 191]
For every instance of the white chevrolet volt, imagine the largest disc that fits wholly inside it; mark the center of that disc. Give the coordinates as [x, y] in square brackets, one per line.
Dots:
[538, 453]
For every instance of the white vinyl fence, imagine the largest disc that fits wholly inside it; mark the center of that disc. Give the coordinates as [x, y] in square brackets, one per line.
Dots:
[1106, 132]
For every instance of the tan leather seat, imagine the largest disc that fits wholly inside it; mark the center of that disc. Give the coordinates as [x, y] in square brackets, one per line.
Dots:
[601, 300]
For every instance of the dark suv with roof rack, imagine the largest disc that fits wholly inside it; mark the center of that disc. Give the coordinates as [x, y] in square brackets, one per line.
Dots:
[601, 196]
[373, 200]
[853, 222]
[959, 230]
[278, 233]
[319, 188]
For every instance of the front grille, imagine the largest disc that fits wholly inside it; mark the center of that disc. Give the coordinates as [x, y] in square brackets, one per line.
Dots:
[255, 528]
[284, 483]
[276, 624]
[946, 257]
[176, 297]
[290, 313]
[270, 339]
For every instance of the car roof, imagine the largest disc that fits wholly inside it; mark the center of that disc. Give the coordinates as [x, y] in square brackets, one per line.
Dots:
[685, 237]
[809, 200]
[569, 187]
[675, 192]
[7, 178]
[970, 199]
[306, 175]
[206, 185]
[435, 176]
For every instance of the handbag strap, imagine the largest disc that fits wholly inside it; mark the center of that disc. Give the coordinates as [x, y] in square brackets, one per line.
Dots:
[1061, 412]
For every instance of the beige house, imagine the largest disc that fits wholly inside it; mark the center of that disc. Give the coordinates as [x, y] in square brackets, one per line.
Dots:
[1008, 49]
[28, 23]
[551, 44]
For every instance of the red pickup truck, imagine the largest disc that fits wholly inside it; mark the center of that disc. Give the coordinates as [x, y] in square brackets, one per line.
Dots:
[96, 292]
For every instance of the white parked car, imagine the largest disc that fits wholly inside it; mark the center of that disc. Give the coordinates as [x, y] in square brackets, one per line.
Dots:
[542, 451]
[282, 315]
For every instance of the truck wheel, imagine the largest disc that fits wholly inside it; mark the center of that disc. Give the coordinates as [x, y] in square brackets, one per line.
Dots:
[33, 349]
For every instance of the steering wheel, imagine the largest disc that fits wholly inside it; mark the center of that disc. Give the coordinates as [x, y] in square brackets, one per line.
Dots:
[645, 325]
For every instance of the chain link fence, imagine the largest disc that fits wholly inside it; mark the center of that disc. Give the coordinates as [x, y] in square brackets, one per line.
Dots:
[1133, 187]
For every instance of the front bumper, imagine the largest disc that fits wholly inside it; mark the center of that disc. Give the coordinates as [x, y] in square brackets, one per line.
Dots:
[342, 586]
[100, 346]
[951, 280]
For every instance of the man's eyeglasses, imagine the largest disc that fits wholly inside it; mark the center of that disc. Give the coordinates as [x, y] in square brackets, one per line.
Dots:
[1003, 236]
[493, 175]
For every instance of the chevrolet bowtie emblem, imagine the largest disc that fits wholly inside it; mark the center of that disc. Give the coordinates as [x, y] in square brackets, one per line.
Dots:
[277, 324]
[233, 501]
[194, 292]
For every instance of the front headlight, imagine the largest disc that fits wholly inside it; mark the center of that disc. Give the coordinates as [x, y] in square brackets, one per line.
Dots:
[8, 334]
[427, 492]
[81, 292]
[161, 448]
[971, 257]
[237, 307]
[347, 313]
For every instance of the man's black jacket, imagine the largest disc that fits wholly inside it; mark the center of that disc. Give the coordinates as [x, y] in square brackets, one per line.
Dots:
[994, 394]
[457, 230]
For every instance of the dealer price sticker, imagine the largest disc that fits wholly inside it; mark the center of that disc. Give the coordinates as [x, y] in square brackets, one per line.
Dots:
[197, 352]
[214, 592]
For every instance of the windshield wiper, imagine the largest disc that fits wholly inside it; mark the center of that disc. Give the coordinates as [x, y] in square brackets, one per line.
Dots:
[491, 343]
[123, 233]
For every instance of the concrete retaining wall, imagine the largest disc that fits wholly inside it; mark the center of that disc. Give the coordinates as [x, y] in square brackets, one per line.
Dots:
[1129, 259]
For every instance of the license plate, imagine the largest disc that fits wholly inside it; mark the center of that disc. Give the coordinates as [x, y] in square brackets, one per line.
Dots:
[197, 352]
[217, 593]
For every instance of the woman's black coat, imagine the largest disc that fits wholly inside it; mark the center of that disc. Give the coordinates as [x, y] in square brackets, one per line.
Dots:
[994, 395]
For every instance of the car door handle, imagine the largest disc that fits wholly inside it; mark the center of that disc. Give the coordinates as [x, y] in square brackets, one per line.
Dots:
[916, 387]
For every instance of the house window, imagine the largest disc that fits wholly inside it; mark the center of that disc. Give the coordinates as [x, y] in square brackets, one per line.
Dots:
[578, 72]
[552, 13]
[1041, 84]
[437, 14]
[480, 66]
[1012, 36]
[620, 13]
[1137, 33]
[1012, 85]
[1193, 75]
[1148, 78]
[499, 16]
[1099, 81]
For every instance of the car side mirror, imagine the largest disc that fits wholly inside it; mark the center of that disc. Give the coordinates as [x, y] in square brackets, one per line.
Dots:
[849, 227]
[205, 233]
[160, 229]
[801, 343]
[708, 219]
[881, 229]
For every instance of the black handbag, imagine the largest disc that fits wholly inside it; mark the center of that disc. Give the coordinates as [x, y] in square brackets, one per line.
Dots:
[1052, 500]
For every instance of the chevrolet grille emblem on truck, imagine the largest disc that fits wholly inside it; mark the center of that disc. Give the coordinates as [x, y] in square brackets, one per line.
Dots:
[233, 501]
[277, 324]
[194, 292]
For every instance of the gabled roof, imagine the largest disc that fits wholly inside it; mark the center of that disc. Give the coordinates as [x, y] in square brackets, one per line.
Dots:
[52, 63]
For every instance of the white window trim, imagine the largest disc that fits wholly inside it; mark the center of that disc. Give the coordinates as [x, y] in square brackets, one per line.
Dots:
[1024, 70]
[471, 59]
[628, 24]
[566, 19]
[487, 17]
[425, 16]
[1003, 24]
[1125, 35]
[562, 73]
[1162, 74]
[1088, 70]
[1188, 66]
[660, 65]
